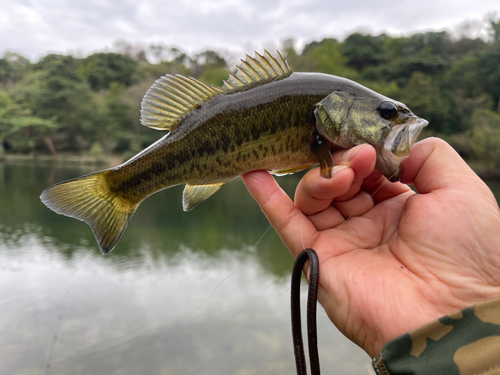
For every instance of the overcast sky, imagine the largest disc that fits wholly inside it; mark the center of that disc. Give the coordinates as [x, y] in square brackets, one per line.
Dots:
[37, 27]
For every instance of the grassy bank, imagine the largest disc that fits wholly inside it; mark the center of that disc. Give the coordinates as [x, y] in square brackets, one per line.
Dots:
[65, 159]
[487, 173]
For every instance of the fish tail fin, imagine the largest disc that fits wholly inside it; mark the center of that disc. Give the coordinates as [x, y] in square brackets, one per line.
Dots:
[89, 199]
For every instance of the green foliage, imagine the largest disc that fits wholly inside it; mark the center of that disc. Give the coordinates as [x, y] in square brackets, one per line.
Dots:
[208, 60]
[486, 136]
[326, 57]
[103, 69]
[495, 28]
[19, 128]
[96, 149]
[13, 67]
[92, 105]
[489, 72]
[214, 75]
[461, 47]
[57, 90]
[111, 120]
[463, 75]
[424, 97]
[363, 51]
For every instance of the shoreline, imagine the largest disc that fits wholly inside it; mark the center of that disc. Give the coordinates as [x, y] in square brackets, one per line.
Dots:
[486, 173]
[65, 159]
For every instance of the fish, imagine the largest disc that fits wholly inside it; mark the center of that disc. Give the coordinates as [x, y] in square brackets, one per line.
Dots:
[265, 116]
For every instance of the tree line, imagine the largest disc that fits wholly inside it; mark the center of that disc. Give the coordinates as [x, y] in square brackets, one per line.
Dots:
[66, 104]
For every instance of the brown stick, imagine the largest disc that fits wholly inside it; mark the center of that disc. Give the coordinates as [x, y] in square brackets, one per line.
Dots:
[46, 140]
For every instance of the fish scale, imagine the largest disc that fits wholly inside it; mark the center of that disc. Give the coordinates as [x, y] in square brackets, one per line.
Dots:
[264, 117]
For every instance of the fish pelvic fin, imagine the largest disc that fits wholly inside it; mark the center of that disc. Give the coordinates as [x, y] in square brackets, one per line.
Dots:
[193, 195]
[171, 98]
[258, 70]
[287, 171]
[89, 199]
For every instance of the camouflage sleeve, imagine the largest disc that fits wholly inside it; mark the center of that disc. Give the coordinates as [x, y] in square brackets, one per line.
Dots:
[466, 342]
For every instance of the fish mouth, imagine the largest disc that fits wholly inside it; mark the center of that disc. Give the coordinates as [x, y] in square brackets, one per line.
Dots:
[397, 147]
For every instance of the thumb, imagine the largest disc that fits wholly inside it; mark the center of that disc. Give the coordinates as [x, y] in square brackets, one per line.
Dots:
[433, 164]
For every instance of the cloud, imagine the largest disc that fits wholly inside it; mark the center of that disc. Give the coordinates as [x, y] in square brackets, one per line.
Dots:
[37, 27]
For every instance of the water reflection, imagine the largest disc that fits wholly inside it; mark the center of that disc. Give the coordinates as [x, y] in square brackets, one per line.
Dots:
[182, 293]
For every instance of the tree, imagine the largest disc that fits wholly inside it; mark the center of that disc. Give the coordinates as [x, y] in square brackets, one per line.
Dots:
[57, 91]
[113, 120]
[13, 67]
[486, 136]
[489, 72]
[102, 69]
[427, 100]
[362, 51]
[208, 60]
[495, 27]
[326, 56]
[426, 53]
[18, 126]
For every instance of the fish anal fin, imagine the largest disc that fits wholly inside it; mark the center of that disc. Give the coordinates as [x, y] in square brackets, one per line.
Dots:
[171, 98]
[284, 172]
[193, 195]
[320, 148]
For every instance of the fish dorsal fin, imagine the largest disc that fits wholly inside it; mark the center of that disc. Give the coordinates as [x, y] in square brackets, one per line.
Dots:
[193, 195]
[171, 97]
[260, 68]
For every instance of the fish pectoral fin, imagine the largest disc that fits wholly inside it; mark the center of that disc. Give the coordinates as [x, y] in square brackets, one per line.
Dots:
[284, 172]
[320, 148]
[193, 195]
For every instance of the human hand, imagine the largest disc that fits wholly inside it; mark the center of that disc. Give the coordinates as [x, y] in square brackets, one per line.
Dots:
[391, 260]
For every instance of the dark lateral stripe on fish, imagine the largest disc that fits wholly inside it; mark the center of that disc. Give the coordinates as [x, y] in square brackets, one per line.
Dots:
[228, 140]
[265, 117]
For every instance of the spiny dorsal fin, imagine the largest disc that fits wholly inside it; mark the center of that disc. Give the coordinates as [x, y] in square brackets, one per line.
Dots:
[257, 69]
[171, 98]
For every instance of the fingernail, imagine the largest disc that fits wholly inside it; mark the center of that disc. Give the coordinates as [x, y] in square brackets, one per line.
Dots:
[349, 154]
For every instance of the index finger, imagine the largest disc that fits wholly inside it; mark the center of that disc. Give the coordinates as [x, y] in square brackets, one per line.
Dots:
[315, 193]
[293, 227]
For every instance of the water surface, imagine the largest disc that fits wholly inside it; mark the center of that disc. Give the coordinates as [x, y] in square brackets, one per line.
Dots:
[182, 293]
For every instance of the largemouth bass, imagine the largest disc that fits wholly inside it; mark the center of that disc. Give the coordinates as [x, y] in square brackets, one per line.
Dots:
[264, 117]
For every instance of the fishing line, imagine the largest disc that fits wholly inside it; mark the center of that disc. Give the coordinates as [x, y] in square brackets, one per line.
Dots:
[301, 235]
[56, 333]
[232, 272]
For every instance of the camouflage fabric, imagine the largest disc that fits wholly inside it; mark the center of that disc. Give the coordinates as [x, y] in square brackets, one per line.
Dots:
[466, 342]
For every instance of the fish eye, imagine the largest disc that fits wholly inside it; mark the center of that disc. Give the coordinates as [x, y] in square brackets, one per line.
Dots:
[388, 110]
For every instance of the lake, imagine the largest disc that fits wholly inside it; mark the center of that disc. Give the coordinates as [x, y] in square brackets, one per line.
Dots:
[204, 292]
